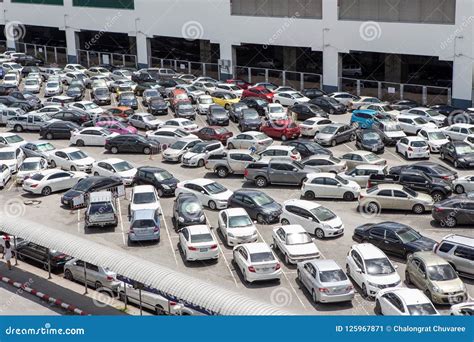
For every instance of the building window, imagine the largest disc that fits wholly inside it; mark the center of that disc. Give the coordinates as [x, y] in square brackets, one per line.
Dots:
[40, 2]
[409, 11]
[278, 8]
[122, 4]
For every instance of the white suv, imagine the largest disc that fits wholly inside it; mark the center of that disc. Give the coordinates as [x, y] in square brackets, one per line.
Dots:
[236, 226]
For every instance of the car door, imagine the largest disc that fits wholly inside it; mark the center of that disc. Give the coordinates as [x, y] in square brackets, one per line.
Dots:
[355, 262]
[65, 181]
[62, 160]
[280, 240]
[464, 259]
[332, 188]
[416, 275]
[385, 198]
[223, 222]
[250, 206]
[393, 244]
[376, 236]
[401, 200]
[77, 270]
[306, 275]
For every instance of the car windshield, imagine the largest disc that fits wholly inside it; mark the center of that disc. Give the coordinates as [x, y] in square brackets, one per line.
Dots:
[77, 155]
[323, 214]
[148, 118]
[332, 276]
[90, 105]
[10, 78]
[261, 257]
[298, 238]
[341, 180]
[464, 149]
[436, 136]
[158, 101]
[261, 199]
[329, 130]
[151, 93]
[214, 188]
[45, 147]
[229, 96]
[240, 221]
[186, 106]
[199, 148]
[31, 82]
[432, 113]
[163, 175]
[7, 155]
[101, 208]
[84, 185]
[181, 133]
[372, 157]
[52, 84]
[408, 235]
[250, 115]
[14, 139]
[420, 121]
[371, 137]
[198, 238]
[424, 309]
[297, 95]
[410, 192]
[179, 145]
[392, 128]
[334, 159]
[379, 266]
[441, 272]
[122, 166]
[144, 197]
[143, 224]
[101, 91]
[37, 177]
[206, 100]
[30, 166]
[261, 102]
[127, 96]
[418, 143]
[276, 109]
[190, 207]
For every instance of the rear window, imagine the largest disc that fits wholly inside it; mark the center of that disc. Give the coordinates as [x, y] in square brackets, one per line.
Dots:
[445, 247]
[201, 238]
[101, 208]
[143, 224]
[262, 257]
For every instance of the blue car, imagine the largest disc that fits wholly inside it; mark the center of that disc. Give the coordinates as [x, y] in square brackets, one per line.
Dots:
[363, 118]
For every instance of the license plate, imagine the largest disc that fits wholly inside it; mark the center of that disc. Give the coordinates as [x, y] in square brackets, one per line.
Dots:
[203, 249]
[374, 149]
[265, 269]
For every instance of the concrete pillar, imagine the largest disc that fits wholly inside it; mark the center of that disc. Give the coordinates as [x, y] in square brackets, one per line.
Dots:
[205, 51]
[228, 54]
[289, 58]
[462, 82]
[72, 44]
[143, 50]
[11, 35]
[332, 61]
[393, 68]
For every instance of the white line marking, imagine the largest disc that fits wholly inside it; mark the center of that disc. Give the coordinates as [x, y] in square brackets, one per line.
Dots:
[78, 220]
[121, 222]
[169, 238]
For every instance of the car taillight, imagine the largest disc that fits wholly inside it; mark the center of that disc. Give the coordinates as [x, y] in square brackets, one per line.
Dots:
[192, 248]
[156, 229]
[277, 267]
[361, 197]
[130, 231]
[107, 141]
[350, 288]
[251, 269]
[446, 178]
[369, 184]
[34, 185]
[213, 246]
[438, 209]
[410, 149]
[110, 278]
[323, 289]
[246, 173]
[293, 157]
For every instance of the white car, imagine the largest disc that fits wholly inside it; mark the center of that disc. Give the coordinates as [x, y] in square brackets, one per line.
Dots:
[32, 85]
[206, 87]
[280, 151]
[316, 219]
[168, 136]
[383, 109]
[5, 175]
[144, 121]
[462, 309]
[197, 155]
[175, 152]
[434, 137]
[203, 103]
[144, 197]
[413, 148]
[29, 167]
[115, 167]
[470, 140]
[428, 114]
[463, 184]
[276, 111]
[231, 88]
[362, 101]
[12, 157]
[12, 67]
[89, 107]
[311, 127]
[412, 124]
[284, 88]
[48, 181]
[236, 226]
[329, 185]
[290, 98]
[74, 67]
[459, 131]
[257, 262]
[294, 243]
[245, 140]
[181, 123]
[11, 140]
[91, 136]
[343, 97]
[370, 268]
[211, 194]
[11, 79]
[403, 301]
[53, 88]
[71, 158]
[198, 243]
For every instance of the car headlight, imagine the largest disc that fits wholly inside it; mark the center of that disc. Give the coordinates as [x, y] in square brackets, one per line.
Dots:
[166, 187]
[372, 284]
[202, 217]
[180, 219]
[230, 235]
[462, 160]
[436, 289]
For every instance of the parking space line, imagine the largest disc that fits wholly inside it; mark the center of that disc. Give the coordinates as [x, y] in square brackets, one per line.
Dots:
[395, 155]
[12, 184]
[169, 239]
[350, 148]
[121, 222]
[78, 220]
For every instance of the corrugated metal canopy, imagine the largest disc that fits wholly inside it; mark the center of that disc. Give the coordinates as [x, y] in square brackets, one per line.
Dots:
[172, 284]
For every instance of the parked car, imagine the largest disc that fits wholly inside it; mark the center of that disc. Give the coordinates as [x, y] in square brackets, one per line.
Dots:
[144, 121]
[356, 158]
[260, 105]
[412, 124]
[91, 136]
[38, 149]
[413, 148]
[181, 123]
[434, 170]
[459, 153]
[306, 111]
[5, 175]
[101, 210]
[230, 162]
[211, 194]
[362, 173]
[131, 143]
[163, 181]
[329, 105]
[29, 167]
[369, 140]
[281, 129]
[157, 106]
[454, 211]
[258, 205]
[335, 133]
[249, 120]
[428, 114]
[259, 92]
[389, 130]
[224, 98]
[329, 185]
[53, 180]
[144, 197]
[458, 250]
[236, 227]
[175, 152]
[101, 96]
[435, 138]
[11, 140]
[115, 167]
[97, 276]
[187, 211]
[313, 92]
[363, 118]
[294, 243]
[403, 302]
[276, 171]
[144, 226]
[463, 184]
[196, 156]
[58, 130]
[324, 163]
[12, 157]
[459, 132]
[29, 122]
[307, 148]
[72, 115]
[311, 127]
[276, 112]
[281, 152]
[197, 242]
[167, 136]
[41, 255]
[221, 134]
[217, 115]
[257, 262]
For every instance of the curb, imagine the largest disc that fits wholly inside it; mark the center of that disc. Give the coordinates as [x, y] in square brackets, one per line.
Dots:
[43, 296]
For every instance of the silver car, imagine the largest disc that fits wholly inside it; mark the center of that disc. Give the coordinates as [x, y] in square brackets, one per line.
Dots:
[144, 121]
[250, 139]
[324, 163]
[144, 226]
[361, 173]
[325, 281]
[97, 276]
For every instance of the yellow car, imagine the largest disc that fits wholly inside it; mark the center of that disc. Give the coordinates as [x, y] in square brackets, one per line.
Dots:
[224, 99]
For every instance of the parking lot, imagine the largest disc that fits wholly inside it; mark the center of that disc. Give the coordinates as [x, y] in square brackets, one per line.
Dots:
[288, 292]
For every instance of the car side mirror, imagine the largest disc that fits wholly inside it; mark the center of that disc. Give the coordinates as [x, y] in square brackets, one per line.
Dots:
[295, 170]
[202, 192]
[396, 266]
[358, 270]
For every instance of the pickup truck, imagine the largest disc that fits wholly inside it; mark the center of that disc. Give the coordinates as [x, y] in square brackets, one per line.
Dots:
[439, 189]
[29, 122]
[276, 171]
[230, 162]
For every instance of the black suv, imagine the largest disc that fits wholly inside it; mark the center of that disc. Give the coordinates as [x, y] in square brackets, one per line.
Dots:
[187, 211]
[162, 180]
[459, 153]
[88, 185]
[132, 143]
[260, 105]
[307, 148]
[329, 105]
[428, 168]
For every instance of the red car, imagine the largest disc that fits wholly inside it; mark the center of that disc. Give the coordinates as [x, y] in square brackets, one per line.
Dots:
[281, 129]
[120, 112]
[214, 133]
[260, 92]
[240, 83]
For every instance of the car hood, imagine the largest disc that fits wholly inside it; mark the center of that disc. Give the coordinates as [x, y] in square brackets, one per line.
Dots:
[24, 174]
[335, 222]
[103, 97]
[192, 155]
[70, 194]
[223, 196]
[243, 231]
[324, 136]
[271, 207]
[186, 111]
[440, 142]
[423, 244]
[395, 134]
[252, 121]
[159, 105]
[454, 285]
[172, 152]
[127, 174]
[468, 157]
[384, 279]
[84, 161]
[424, 198]
[303, 249]
[170, 181]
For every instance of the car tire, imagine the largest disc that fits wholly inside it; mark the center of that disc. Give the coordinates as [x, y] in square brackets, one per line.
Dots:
[73, 168]
[450, 222]
[49, 136]
[147, 150]
[80, 143]
[222, 172]
[212, 205]
[18, 128]
[96, 174]
[441, 156]
[277, 101]
[46, 191]
[260, 219]
[378, 309]
[287, 259]
[261, 182]
[331, 111]
[418, 209]
[348, 196]
[201, 163]
[319, 233]
[407, 278]
[98, 285]
[373, 208]
[285, 222]
[298, 275]
[364, 291]
[456, 164]
[459, 189]
[428, 294]
[227, 106]
[333, 143]
[230, 146]
[314, 296]
[437, 196]
[53, 164]
[348, 270]
[352, 137]
[160, 193]
[309, 195]
[114, 150]
[406, 155]
[68, 275]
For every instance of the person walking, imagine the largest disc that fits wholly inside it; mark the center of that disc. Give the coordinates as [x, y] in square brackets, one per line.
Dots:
[7, 251]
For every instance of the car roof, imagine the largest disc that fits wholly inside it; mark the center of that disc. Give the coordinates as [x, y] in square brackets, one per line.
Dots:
[325, 264]
[459, 239]
[370, 167]
[33, 159]
[302, 203]
[236, 211]
[390, 187]
[369, 251]
[292, 228]
[198, 229]
[415, 138]
[111, 160]
[144, 214]
[256, 247]
[50, 171]
[319, 156]
[69, 149]
[321, 174]
[7, 134]
[280, 147]
[430, 258]
[199, 181]
[410, 296]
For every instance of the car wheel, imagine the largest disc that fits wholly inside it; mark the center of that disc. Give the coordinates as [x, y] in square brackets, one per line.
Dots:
[222, 172]
[80, 143]
[277, 101]
[230, 146]
[364, 291]
[406, 155]
[331, 111]
[459, 189]
[147, 150]
[353, 137]
[53, 164]
[298, 275]
[418, 209]
[18, 128]
[261, 182]
[285, 222]
[348, 270]
[160, 193]
[46, 191]
[96, 174]
[201, 163]
[456, 164]
[314, 296]
[260, 219]
[348, 196]
[97, 285]
[227, 106]
[428, 294]
[437, 196]
[377, 309]
[333, 143]
[450, 222]
[68, 275]
[319, 233]
[408, 255]
[287, 259]
[407, 278]
[73, 168]
[114, 150]
[212, 205]
[309, 195]
[441, 156]
[49, 136]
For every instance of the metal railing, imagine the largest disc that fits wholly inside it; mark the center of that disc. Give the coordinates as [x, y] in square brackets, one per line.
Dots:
[50, 54]
[390, 91]
[194, 68]
[90, 58]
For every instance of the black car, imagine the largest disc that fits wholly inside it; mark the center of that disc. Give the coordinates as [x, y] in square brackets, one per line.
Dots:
[11, 101]
[445, 109]
[260, 105]
[187, 211]
[258, 205]
[88, 185]
[404, 104]
[151, 84]
[58, 130]
[459, 153]
[217, 115]
[369, 140]
[75, 92]
[428, 168]
[249, 120]
[393, 238]
[158, 106]
[329, 105]
[132, 143]
[162, 180]
[78, 84]
[185, 110]
[453, 211]
[6, 89]
[77, 116]
[27, 69]
[101, 96]
[313, 93]
[32, 100]
[40, 255]
[235, 111]
[307, 148]
[306, 111]
[29, 60]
